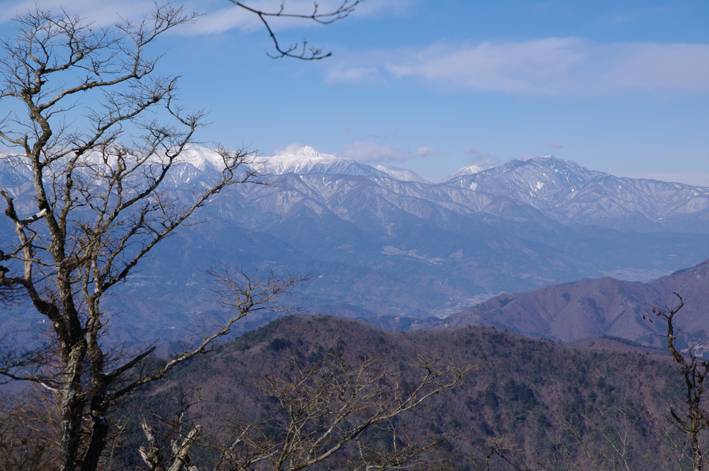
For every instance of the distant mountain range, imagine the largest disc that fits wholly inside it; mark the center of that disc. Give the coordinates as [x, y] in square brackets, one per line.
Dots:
[385, 242]
[571, 194]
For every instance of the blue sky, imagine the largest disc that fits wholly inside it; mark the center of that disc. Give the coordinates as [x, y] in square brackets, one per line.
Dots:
[617, 86]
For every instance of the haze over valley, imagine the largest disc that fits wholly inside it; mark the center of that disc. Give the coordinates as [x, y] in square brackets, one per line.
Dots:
[382, 243]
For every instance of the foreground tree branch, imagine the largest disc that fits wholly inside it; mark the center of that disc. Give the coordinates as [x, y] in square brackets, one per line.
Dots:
[301, 50]
[100, 206]
[694, 420]
[326, 413]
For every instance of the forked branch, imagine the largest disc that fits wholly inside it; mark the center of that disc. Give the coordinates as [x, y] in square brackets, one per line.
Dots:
[694, 420]
[324, 18]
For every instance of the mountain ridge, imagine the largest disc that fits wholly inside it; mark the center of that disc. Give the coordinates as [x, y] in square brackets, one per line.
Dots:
[387, 247]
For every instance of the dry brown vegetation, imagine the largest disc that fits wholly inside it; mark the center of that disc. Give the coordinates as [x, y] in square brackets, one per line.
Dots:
[539, 404]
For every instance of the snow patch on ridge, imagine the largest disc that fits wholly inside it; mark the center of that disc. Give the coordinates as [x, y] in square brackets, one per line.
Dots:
[401, 174]
[202, 158]
[306, 160]
[301, 160]
[471, 170]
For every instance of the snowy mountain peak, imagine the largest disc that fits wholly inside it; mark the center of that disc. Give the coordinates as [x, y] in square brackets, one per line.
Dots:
[470, 170]
[300, 160]
[401, 174]
[202, 158]
[306, 160]
[305, 153]
[551, 162]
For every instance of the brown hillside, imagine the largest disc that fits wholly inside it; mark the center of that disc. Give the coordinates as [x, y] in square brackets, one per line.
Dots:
[529, 391]
[605, 306]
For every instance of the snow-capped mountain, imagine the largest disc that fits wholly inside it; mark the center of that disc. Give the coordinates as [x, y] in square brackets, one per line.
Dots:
[558, 189]
[307, 160]
[463, 172]
[382, 241]
[571, 194]
[401, 174]
[302, 161]
[202, 158]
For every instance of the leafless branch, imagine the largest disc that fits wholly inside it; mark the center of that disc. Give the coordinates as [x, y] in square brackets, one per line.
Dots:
[329, 407]
[694, 420]
[301, 50]
[101, 203]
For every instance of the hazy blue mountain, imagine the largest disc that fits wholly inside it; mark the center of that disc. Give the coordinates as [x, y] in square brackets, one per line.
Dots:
[603, 307]
[381, 241]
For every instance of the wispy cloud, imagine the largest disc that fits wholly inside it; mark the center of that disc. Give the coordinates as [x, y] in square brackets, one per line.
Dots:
[554, 145]
[426, 150]
[289, 149]
[342, 73]
[220, 16]
[368, 151]
[481, 159]
[217, 16]
[101, 13]
[551, 66]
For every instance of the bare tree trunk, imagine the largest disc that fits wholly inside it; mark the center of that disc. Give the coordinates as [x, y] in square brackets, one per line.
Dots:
[71, 408]
[101, 199]
[695, 419]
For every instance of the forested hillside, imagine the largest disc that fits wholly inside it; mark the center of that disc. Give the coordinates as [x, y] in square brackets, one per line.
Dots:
[538, 402]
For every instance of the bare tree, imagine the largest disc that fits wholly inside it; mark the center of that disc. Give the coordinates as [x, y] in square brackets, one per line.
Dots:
[693, 421]
[604, 441]
[98, 131]
[326, 412]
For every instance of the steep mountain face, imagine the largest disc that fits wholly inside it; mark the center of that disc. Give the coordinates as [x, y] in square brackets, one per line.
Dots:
[384, 242]
[603, 307]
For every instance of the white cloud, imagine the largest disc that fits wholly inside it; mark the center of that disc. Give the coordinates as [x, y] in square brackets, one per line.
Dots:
[218, 18]
[368, 151]
[554, 145]
[224, 19]
[481, 159]
[351, 74]
[425, 150]
[289, 149]
[100, 12]
[217, 15]
[561, 66]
